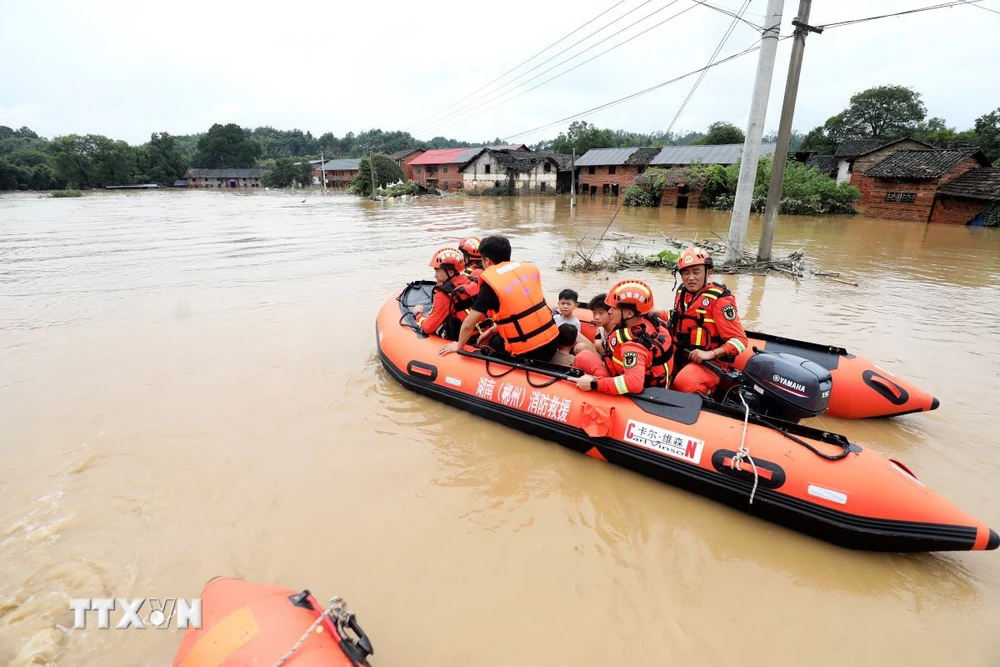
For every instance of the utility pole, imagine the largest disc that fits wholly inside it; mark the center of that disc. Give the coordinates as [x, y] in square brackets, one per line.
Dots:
[802, 30]
[755, 130]
[371, 165]
[322, 170]
[572, 181]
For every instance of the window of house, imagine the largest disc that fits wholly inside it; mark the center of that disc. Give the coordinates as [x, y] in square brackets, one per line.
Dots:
[547, 168]
[591, 170]
[606, 189]
[486, 169]
[612, 170]
[542, 188]
[901, 197]
[446, 169]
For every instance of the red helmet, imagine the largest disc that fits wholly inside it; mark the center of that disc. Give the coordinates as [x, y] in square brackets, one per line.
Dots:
[448, 257]
[470, 248]
[633, 293]
[694, 256]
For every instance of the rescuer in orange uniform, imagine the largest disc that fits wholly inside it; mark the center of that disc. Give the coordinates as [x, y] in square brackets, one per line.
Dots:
[510, 294]
[638, 353]
[705, 324]
[454, 295]
[473, 260]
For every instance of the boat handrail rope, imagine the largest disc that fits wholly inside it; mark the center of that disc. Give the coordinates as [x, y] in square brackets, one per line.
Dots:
[744, 453]
[342, 617]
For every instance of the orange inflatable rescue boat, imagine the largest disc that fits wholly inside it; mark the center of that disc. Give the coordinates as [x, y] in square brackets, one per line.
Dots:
[245, 623]
[759, 460]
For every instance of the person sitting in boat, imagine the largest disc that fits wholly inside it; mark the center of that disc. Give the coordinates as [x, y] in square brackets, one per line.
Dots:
[564, 309]
[639, 350]
[705, 324]
[473, 260]
[604, 318]
[568, 335]
[454, 295]
[510, 293]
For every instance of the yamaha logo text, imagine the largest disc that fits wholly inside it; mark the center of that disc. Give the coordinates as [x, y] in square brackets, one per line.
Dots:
[788, 383]
[140, 613]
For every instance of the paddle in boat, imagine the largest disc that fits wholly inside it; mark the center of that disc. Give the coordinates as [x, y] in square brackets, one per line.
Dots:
[246, 623]
[762, 461]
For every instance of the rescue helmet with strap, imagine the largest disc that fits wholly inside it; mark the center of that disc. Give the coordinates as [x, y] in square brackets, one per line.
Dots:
[694, 256]
[470, 248]
[631, 292]
[448, 257]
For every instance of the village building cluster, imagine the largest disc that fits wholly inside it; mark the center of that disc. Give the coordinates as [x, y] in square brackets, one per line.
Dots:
[905, 179]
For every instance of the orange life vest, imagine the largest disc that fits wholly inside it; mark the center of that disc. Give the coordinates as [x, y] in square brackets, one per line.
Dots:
[461, 292]
[691, 327]
[524, 320]
[653, 335]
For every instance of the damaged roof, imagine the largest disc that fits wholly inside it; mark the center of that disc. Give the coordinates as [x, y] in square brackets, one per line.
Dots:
[982, 183]
[924, 164]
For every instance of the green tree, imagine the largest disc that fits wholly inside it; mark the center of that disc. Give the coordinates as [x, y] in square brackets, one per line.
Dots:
[883, 112]
[93, 160]
[583, 136]
[721, 132]
[386, 172]
[286, 172]
[160, 160]
[227, 146]
[988, 134]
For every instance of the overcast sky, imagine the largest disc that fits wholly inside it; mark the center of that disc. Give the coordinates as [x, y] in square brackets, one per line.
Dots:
[126, 69]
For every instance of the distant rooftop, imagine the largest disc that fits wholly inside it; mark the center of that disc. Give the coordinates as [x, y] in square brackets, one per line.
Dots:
[924, 164]
[224, 173]
[346, 164]
[710, 154]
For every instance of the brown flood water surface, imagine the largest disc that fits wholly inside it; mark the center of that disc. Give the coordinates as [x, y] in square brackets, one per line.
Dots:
[189, 388]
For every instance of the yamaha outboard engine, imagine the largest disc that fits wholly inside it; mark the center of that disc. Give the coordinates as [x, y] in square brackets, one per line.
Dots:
[784, 386]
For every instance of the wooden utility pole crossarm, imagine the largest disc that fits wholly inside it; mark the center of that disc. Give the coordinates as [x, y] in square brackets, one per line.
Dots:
[802, 29]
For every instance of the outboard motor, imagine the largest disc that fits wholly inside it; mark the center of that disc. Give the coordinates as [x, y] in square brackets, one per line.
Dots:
[783, 386]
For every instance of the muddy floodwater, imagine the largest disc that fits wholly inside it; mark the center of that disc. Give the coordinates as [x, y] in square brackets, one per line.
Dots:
[189, 387]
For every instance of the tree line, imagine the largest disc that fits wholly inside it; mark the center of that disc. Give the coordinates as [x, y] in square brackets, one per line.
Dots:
[31, 162]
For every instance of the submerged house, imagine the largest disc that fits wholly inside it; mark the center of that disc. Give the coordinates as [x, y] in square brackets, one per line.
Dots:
[527, 172]
[913, 185]
[609, 171]
[683, 194]
[223, 178]
[856, 156]
[340, 173]
[442, 168]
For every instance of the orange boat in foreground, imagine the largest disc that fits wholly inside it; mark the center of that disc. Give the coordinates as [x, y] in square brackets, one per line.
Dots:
[816, 482]
[245, 623]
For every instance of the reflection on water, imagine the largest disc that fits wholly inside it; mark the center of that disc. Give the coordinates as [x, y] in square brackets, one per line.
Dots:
[189, 387]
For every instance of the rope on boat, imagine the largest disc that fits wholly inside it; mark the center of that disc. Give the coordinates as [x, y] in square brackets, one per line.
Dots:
[744, 453]
[336, 610]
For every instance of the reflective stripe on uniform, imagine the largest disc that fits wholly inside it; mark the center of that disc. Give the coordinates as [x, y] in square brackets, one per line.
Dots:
[620, 384]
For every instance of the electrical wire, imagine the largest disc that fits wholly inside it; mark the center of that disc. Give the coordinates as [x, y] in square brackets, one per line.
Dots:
[462, 108]
[945, 5]
[553, 78]
[715, 54]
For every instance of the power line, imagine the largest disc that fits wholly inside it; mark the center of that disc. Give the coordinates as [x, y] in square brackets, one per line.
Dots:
[550, 58]
[645, 91]
[728, 12]
[908, 11]
[525, 62]
[983, 8]
[553, 78]
[715, 54]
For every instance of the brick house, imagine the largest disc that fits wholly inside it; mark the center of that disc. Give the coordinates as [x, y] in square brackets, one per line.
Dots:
[442, 167]
[404, 158]
[857, 156]
[340, 173]
[531, 172]
[683, 195]
[904, 186]
[963, 199]
[223, 178]
[609, 171]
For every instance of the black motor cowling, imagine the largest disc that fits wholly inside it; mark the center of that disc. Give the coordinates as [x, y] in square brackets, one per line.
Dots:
[786, 386]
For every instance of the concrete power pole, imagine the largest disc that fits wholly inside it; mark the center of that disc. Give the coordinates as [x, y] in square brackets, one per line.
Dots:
[371, 165]
[322, 171]
[802, 29]
[755, 130]
[572, 181]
